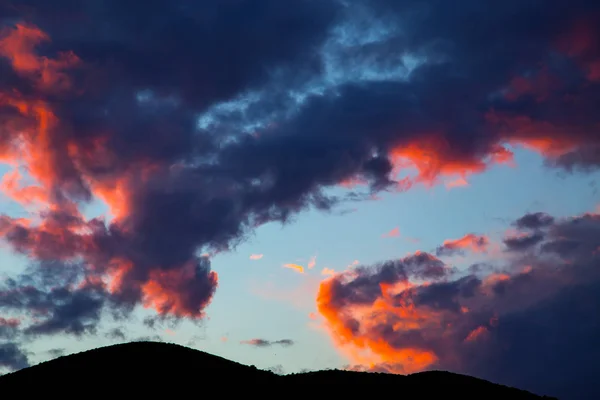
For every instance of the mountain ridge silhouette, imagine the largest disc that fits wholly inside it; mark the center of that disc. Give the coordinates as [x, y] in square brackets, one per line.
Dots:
[148, 368]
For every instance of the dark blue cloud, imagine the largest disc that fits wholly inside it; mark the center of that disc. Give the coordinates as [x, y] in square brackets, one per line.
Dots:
[534, 221]
[12, 356]
[53, 299]
[520, 243]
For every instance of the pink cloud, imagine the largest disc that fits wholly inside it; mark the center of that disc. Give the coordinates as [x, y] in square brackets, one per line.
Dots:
[459, 182]
[393, 233]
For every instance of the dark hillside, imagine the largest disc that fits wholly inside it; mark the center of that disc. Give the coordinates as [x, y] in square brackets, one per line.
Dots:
[147, 369]
[424, 385]
[139, 364]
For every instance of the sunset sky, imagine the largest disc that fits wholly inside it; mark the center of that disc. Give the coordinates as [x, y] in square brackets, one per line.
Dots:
[378, 185]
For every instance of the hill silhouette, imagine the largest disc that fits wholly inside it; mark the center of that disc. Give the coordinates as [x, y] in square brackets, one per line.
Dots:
[150, 368]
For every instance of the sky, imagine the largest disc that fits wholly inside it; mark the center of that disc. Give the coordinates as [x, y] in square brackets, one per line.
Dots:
[381, 185]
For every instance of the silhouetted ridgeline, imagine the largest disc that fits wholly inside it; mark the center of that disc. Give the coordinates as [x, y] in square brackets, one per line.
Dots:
[149, 369]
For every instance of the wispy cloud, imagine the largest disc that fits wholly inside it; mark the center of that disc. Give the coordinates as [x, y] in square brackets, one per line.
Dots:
[393, 233]
[256, 256]
[268, 343]
[456, 183]
[295, 267]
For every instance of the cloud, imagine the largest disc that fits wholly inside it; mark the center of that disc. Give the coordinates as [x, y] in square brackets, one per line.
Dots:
[268, 343]
[459, 182]
[256, 256]
[534, 221]
[312, 262]
[55, 353]
[48, 74]
[471, 242]
[393, 233]
[531, 312]
[523, 241]
[9, 327]
[116, 334]
[295, 267]
[12, 357]
[327, 271]
[56, 298]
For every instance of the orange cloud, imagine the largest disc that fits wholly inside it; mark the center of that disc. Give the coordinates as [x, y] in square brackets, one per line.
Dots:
[312, 262]
[459, 182]
[393, 233]
[256, 256]
[295, 267]
[472, 242]
[167, 292]
[363, 348]
[328, 271]
[356, 309]
[433, 158]
[477, 334]
[18, 45]
[386, 296]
